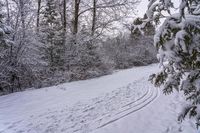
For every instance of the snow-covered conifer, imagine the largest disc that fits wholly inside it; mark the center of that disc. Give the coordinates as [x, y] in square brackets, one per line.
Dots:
[51, 29]
[5, 59]
[178, 45]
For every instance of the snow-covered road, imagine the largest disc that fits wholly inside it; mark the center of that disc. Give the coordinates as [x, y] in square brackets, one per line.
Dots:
[122, 102]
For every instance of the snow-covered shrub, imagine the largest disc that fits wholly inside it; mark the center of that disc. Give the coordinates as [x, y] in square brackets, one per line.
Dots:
[135, 49]
[5, 59]
[84, 59]
[21, 59]
[130, 50]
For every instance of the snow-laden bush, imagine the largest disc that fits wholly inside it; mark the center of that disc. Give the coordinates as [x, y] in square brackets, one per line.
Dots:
[84, 58]
[5, 59]
[132, 50]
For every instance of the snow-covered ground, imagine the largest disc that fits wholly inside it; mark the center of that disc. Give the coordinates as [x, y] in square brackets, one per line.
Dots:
[124, 102]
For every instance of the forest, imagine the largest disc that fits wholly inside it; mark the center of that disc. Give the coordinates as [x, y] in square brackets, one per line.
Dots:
[47, 42]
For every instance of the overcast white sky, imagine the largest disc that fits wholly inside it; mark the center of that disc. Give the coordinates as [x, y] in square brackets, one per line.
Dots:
[142, 7]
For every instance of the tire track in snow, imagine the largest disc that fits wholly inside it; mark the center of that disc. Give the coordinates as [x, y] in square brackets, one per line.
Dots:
[141, 103]
[133, 109]
[97, 120]
[147, 93]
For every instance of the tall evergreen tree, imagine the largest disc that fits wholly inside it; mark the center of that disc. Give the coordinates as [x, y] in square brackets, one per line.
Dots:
[51, 27]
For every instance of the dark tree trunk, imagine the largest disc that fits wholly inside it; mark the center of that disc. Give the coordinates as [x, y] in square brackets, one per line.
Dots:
[94, 17]
[64, 16]
[22, 15]
[8, 12]
[38, 15]
[76, 16]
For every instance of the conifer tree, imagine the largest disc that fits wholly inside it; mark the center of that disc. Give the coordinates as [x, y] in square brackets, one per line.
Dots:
[51, 29]
[178, 45]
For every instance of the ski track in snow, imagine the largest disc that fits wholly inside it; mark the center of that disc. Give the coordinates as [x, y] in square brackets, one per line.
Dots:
[86, 117]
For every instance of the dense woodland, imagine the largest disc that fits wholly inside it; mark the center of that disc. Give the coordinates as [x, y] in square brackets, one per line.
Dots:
[47, 42]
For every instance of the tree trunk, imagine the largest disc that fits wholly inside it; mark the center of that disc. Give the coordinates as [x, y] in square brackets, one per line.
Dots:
[63, 55]
[94, 17]
[8, 23]
[64, 16]
[38, 14]
[76, 16]
[22, 14]
[8, 13]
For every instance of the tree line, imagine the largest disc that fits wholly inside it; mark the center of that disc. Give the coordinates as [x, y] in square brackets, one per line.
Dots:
[47, 42]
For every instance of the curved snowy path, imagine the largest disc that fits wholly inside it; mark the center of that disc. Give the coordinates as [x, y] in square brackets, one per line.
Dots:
[63, 110]
[96, 113]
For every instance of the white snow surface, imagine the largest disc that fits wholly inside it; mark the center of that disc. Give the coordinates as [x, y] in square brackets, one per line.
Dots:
[124, 102]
